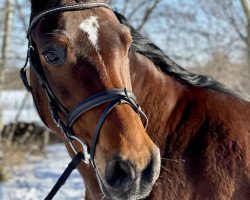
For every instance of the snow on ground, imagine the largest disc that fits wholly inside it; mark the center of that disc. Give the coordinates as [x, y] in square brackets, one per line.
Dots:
[34, 179]
[10, 103]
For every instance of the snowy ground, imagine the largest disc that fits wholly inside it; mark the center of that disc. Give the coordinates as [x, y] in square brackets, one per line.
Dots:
[34, 179]
[10, 103]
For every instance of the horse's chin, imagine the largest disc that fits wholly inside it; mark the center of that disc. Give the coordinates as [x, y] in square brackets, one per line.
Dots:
[135, 192]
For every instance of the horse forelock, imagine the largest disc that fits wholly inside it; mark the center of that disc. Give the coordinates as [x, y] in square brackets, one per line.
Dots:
[38, 6]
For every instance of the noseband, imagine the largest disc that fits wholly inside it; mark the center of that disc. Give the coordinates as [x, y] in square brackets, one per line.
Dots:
[113, 96]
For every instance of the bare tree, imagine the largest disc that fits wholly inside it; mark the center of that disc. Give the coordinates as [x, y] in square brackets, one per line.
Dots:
[190, 31]
[233, 25]
[209, 26]
[6, 37]
[5, 46]
[246, 8]
[137, 12]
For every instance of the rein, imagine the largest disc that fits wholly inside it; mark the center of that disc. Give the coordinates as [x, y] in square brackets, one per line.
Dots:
[113, 97]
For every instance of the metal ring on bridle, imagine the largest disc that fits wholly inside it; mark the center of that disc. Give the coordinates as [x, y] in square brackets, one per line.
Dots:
[84, 148]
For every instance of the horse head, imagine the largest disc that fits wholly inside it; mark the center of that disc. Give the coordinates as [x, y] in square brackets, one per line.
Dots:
[81, 53]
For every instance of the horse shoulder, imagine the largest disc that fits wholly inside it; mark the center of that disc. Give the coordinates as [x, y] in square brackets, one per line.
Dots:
[217, 150]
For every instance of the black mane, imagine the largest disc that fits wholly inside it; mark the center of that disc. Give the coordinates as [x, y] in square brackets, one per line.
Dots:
[145, 47]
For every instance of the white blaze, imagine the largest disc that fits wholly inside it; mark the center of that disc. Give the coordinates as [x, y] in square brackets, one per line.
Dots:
[91, 26]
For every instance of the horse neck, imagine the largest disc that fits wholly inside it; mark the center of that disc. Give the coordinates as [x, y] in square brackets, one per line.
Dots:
[156, 91]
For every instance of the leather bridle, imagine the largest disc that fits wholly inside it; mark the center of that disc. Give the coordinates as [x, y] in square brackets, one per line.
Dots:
[113, 96]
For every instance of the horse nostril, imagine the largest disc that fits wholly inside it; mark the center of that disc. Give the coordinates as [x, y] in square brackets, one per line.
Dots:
[151, 172]
[119, 173]
[148, 172]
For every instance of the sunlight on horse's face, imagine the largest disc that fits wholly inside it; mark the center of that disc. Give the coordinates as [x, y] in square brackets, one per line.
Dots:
[86, 52]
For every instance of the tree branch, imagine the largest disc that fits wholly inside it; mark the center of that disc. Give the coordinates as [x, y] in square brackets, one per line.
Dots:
[147, 14]
[246, 7]
[21, 15]
[132, 13]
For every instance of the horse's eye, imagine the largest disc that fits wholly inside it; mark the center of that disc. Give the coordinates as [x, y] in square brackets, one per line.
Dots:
[51, 57]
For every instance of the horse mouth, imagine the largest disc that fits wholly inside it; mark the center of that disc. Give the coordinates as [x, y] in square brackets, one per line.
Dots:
[135, 192]
[138, 188]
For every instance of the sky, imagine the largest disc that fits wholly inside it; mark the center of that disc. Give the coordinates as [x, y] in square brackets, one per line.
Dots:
[18, 44]
[174, 43]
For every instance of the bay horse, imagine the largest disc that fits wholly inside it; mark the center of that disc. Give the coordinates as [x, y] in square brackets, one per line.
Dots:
[94, 70]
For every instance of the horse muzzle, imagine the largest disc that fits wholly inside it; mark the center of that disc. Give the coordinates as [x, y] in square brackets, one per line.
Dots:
[123, 179]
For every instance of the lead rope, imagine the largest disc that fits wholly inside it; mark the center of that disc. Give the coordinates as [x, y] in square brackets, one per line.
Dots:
[62, 179]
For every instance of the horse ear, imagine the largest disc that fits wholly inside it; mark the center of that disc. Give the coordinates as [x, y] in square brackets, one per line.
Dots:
[35, 4]
[86, 1]
[38, 6]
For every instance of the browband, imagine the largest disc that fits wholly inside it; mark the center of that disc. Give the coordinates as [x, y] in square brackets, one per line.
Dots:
[75, 7]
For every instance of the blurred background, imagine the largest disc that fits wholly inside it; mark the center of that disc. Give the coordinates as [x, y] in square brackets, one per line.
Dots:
[206, 37]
